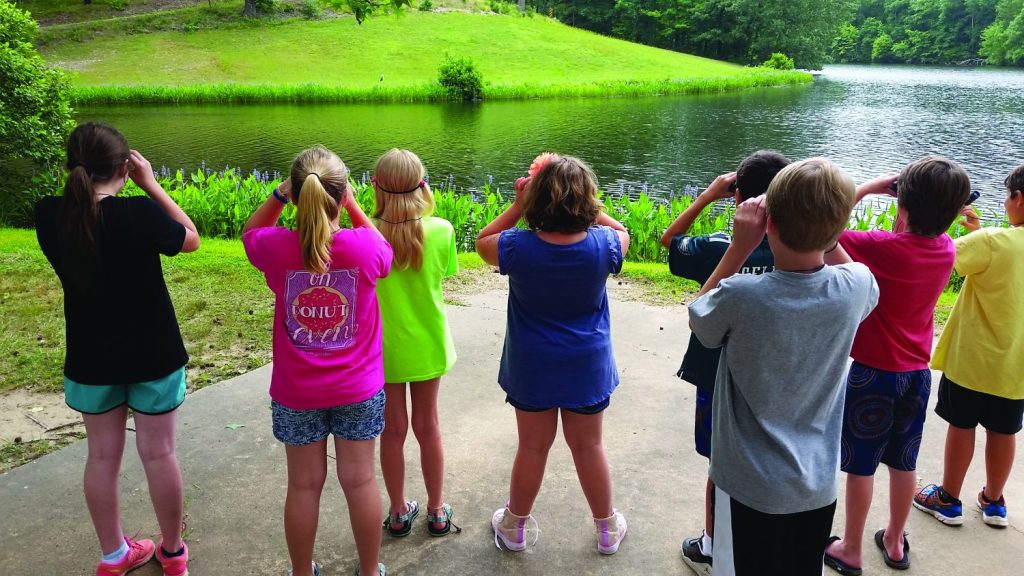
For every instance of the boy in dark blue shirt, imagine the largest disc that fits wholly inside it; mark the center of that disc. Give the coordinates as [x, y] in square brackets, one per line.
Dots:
[695, 258]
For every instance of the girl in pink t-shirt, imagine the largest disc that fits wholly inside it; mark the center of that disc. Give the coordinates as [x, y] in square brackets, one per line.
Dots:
[328, 375]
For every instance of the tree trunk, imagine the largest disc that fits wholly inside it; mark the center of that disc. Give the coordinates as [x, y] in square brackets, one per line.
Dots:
[250, 9]
[522, 5]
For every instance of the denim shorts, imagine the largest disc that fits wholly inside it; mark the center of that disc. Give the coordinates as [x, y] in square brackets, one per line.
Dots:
[360, 421]
[883, 419]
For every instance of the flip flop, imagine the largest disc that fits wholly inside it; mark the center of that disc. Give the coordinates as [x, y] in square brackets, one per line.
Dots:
[837, 564]
[900, 565]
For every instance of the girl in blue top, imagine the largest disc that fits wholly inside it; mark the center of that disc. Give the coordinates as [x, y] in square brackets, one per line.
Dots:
[557, 356]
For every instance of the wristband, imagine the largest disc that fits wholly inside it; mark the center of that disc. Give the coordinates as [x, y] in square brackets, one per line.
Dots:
[279, 197]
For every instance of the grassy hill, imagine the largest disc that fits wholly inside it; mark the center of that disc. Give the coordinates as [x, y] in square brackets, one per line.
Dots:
[385, 58]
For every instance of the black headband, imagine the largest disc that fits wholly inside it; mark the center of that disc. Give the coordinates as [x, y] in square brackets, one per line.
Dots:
[421, 184]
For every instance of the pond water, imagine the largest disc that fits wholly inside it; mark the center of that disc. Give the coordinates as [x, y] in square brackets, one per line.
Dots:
[868, 119]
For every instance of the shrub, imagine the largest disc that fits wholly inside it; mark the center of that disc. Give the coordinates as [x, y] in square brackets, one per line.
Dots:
[311, 9]
[35, 114]
[779, 61]
[460, 78]
[426, 6]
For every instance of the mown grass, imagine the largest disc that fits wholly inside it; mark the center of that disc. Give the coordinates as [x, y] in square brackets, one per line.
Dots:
[385, 58]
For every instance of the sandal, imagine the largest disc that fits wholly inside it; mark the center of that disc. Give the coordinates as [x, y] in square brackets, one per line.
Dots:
[446, 517]
[412, 510]
[901, 564]
[837, 564]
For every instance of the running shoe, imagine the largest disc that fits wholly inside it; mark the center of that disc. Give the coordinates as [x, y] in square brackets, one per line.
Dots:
[937, 502]
[694, 556]
[173, 565]
[993, 513]
[139, 552]
[610, 532]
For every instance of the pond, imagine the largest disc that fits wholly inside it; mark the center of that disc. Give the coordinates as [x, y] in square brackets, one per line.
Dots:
[868, 119]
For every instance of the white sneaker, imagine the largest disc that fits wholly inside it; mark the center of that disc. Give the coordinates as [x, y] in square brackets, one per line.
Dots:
[610, 532]
[511, 529]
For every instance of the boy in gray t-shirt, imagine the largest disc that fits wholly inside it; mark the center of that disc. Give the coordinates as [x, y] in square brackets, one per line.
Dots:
[778, 406]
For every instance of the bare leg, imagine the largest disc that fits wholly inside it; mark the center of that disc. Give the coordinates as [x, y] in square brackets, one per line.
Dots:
[999, 452]
[105, 436]
[536, 435]
[427, 427]
[957, 459]
[902, 486]
[859, 492]
[307, 472]
[359, 482]
[709, 516]
[583, 435]
[392, 446]
[154, 439]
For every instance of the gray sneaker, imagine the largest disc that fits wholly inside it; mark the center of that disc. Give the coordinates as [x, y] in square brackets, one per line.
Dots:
[316, 569]
[381, 570]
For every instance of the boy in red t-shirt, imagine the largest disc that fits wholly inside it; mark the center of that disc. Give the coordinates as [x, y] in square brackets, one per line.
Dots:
[889, 382]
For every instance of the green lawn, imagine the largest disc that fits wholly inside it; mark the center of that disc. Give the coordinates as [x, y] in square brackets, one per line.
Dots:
[405, 51]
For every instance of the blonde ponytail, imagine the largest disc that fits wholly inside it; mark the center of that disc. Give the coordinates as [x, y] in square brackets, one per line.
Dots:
[401, 203]
[323, 180]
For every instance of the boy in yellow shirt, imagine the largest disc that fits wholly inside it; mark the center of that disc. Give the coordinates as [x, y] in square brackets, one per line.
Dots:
[981, 354]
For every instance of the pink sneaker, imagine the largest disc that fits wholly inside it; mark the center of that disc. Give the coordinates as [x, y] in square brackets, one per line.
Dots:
[139, 552]
[176, 566]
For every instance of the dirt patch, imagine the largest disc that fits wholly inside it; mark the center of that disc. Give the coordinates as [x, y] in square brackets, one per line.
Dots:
[474, 281]
[28, 416]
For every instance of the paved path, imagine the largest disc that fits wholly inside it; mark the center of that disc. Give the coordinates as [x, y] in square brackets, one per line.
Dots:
[235, 480]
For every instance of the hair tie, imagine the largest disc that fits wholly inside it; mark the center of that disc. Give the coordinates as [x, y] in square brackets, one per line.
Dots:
[400, 221]
[314, 174]
[79, 165]
[421, 184]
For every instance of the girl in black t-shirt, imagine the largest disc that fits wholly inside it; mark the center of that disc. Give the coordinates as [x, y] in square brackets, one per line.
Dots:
[123, 346]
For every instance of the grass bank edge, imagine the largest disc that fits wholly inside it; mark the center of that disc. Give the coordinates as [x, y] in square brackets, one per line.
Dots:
[234, 93]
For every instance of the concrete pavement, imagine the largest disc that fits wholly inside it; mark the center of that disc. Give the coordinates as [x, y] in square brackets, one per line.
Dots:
[235, 480]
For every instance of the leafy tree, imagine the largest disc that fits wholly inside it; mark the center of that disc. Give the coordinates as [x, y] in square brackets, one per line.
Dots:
[35, 114]
[362, 9]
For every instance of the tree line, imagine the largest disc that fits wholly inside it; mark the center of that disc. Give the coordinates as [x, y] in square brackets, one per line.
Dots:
[812, 32]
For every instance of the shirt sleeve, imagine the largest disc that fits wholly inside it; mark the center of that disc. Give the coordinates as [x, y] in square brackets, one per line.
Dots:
[385, 254]
[453, 256]
[973, 253]
[614, 249]
[856, 243]
[710, 317]
[695, 257]
[259, 245]
[165, 234]
[507, 250]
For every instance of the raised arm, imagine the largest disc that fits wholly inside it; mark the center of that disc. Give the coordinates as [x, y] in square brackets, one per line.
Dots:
[487, 239]
[718, 190]
[605, 220]
[269, 212]
[142, 175]
[748, 230]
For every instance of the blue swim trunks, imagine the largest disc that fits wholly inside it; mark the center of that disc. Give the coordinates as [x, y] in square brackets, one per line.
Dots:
[883, 419]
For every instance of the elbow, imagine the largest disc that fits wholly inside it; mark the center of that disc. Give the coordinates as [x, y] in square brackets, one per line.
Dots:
[666, 239]
[191, 243]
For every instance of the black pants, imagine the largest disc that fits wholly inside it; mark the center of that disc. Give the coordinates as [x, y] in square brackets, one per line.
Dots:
[752, 543]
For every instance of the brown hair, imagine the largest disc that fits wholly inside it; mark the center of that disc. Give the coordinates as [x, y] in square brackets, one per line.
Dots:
[1015, 181]
[95, 153]
[562, 197]
[932, 190]
[401, 204]
[810, 203]
[319, 180]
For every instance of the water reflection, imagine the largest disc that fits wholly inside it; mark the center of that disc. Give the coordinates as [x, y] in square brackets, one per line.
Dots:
[868, 119]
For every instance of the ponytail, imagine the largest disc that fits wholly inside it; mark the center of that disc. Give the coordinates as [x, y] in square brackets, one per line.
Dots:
[95, 154]
[313, 218]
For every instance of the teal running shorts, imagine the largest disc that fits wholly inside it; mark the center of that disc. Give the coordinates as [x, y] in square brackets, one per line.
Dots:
[154, 397]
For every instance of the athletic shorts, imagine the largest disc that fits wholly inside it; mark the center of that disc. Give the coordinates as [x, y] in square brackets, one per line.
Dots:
[702, 423]
[883, 420]
[586, 410]
[966, 408]
[154, 397]
[360, 421]
[749, 542]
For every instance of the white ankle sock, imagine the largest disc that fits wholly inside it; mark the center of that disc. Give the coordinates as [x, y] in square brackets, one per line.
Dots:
[705, 544]
[117, 555]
